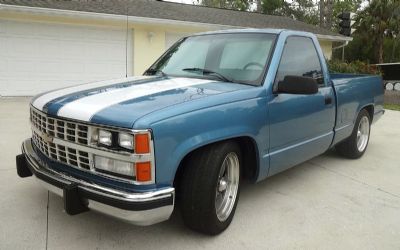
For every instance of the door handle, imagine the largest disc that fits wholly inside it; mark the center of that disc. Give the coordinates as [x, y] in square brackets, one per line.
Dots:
[328, 100]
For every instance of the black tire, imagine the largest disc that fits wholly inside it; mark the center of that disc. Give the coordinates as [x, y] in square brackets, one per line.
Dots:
[348, 148]
[198, 185]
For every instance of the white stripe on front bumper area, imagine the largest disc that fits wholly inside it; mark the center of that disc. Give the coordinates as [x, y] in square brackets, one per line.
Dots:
[84, 108]
[42, 100]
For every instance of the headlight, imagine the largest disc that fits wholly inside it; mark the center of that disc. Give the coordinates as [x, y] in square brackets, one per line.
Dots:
[130, 153]
[141, 171]
[135, 142]
[125, 140]
[105, 137]
[126, 169]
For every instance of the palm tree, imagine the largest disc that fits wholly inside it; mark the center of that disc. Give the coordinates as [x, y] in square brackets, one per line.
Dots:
[379, 17]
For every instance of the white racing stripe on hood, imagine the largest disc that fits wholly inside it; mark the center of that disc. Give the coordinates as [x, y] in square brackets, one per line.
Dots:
[42, 100]
[84, 108]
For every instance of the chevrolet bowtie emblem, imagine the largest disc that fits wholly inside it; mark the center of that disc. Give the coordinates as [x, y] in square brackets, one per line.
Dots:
[47, 138]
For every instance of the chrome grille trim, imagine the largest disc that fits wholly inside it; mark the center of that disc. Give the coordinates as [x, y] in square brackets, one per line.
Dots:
[64, 154]
[48, 135]
[62, 129]
[110, 154]
[43, 125]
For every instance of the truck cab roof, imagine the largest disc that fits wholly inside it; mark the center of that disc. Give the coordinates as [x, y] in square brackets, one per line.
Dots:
[251, 30]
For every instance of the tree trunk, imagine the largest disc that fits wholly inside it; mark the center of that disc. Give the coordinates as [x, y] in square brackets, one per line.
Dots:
[259, 9]
[379, 50]
[321, 13]
[223, 4]
[328, 14]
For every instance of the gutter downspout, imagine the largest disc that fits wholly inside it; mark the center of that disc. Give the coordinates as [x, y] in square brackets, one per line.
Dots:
[342, 46]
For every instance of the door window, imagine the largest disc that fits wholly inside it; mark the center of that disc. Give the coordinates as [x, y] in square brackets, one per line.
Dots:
[299, 58]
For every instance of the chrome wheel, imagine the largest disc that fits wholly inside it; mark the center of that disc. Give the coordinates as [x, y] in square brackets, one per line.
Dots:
[363, 134]
[227, 186]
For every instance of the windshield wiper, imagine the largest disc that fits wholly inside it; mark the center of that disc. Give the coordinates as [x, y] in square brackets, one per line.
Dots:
[154, 72]
[208, 71]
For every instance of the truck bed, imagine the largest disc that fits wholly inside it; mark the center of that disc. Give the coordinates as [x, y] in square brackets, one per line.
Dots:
[353, 92]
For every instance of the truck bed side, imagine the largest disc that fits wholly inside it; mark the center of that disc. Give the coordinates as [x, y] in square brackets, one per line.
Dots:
[353, 93]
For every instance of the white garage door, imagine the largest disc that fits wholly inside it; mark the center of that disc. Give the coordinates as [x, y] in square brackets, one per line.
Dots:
[171, 38]
[36, 57]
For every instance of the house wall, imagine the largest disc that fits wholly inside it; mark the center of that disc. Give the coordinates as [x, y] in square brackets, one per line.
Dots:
[326, 47]
[149, 41]
[148, 44]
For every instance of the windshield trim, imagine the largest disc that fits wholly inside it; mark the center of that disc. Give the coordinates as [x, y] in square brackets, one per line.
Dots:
[258, 82]
[264, 74]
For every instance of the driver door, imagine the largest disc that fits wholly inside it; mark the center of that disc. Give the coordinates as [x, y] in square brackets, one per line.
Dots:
[301, 126]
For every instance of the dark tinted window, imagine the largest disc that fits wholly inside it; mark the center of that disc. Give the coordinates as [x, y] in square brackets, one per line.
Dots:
[299, 58]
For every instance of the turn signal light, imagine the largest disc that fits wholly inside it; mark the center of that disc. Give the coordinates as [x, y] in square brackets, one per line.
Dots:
[143, 171]
[142, 144]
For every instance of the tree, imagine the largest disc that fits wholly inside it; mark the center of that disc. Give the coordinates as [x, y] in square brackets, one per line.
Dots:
[302, 10]
[379, 19]
[273, 7]
[325, 13]
[343, 6]
[258, 5]
[227, 4]
[377, 35]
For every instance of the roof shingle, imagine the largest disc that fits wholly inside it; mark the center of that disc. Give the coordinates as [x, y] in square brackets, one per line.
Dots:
[175, 11]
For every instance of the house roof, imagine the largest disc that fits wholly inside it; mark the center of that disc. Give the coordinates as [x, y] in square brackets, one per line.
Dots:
[178, 12]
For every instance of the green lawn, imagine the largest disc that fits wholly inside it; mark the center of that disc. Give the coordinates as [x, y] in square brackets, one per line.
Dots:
[392, 106]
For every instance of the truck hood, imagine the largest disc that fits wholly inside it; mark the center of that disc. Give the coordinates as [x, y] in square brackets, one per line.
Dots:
[121, 102]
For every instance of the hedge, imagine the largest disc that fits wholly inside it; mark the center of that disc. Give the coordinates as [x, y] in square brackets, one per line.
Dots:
[356, 67]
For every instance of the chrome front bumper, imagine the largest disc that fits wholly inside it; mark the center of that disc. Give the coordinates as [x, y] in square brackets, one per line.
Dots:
[137, 208]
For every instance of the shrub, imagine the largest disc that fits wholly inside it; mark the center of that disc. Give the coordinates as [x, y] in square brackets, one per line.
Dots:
[356, 67]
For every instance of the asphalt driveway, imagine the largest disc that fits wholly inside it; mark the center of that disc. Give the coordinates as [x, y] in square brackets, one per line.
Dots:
[328, 202]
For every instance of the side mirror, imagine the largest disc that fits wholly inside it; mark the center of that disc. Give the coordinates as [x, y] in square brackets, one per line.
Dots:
[300, 85]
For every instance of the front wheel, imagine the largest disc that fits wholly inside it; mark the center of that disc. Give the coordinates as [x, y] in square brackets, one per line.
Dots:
[355, 146]
[210, 187]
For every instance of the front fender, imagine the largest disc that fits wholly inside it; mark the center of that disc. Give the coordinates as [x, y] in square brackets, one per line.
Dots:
[177, 136]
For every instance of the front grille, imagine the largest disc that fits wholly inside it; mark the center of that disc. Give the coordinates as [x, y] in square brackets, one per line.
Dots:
[61, 153]
[69, 142]
[65, 130]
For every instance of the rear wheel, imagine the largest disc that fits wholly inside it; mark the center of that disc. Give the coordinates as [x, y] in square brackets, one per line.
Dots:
[355, 146]
[209, 189]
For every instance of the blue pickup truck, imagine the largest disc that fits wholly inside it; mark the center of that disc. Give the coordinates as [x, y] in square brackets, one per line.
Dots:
[215, 109]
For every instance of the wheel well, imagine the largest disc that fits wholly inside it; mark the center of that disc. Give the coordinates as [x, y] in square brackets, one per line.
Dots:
[249, 157]
[370, 110]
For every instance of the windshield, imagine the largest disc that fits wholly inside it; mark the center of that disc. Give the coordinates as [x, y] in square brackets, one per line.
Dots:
[240, 57]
